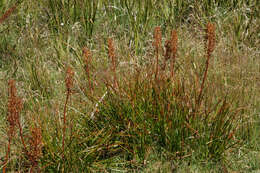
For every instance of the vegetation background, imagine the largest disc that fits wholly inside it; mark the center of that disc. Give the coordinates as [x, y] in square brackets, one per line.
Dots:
[80, 91]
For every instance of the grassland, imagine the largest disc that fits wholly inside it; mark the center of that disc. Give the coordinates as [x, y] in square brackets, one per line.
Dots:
[91, 86]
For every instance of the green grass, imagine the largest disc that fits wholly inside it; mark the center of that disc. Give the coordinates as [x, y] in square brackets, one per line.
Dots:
[144, 124]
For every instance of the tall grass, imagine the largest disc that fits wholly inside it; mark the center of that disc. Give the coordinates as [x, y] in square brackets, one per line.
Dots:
[130, 103]
[69, 85]
[140, 112]
[139, 17]
[210, 39]
[65, 13]
[14, 108]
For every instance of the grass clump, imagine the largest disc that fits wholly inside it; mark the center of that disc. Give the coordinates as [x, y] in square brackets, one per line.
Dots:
[166, 113]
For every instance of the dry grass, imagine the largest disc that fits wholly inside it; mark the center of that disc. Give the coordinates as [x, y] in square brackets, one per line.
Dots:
[69, 85]
[211, 39]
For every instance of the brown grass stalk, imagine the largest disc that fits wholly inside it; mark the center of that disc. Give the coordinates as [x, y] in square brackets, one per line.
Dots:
[7, 14]
[69, 84]
[87, 61]
[111, 54]
[14, 106]
[157, 47]
[211, 41]
[7, 154]
[35, 142]
[170, 51]
[174, 44]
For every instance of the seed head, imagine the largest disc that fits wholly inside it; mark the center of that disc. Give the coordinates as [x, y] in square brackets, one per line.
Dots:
[174, 43]
[171, 46]
[157, 38]
[35, 142]
[87, 58]
[69, 79]
[111, 51]
[211, 38]
[87, 54]
[14, 107]
[111, 54]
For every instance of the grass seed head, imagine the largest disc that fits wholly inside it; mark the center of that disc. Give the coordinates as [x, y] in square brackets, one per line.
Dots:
[174, 43]
[211, 38]
[87, 58]
[157, 38]
[87, 61]
[111, 51]
[171, 46]
[69, 79]
[35, 141]
[14, 107]
[167, 46]
[111, 54]
[87, 55]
